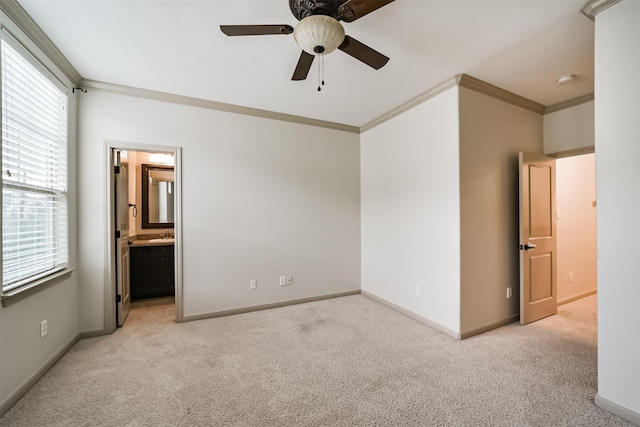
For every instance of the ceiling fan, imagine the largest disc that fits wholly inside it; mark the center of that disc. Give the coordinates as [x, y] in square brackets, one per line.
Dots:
[319, 31]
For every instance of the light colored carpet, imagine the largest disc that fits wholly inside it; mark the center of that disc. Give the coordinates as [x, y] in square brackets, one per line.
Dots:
[340, 362]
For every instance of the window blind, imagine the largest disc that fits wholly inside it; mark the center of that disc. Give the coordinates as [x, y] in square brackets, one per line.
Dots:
[34, 171]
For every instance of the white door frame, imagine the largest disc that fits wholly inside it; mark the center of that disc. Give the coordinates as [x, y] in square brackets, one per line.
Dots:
[110, 276]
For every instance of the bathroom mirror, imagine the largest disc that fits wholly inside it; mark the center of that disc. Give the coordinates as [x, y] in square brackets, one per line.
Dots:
[158, 191]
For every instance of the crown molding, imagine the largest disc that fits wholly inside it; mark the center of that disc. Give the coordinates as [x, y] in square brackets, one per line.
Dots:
[568, 104]
[465, 80]
[592, 8]
[19, 16]
[413, 102]
[211, 105]
[462, 80]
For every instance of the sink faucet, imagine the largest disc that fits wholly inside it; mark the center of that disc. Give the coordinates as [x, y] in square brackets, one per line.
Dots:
[167, 235]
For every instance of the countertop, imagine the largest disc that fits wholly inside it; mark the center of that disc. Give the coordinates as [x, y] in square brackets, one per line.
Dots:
[151, 242]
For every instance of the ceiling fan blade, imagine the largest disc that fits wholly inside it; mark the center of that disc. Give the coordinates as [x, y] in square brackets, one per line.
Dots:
[363, 53]
[303, 67]
[355, 9]
[255, 30]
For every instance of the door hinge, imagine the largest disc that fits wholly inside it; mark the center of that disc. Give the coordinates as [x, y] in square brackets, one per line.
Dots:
[118, 298]
[116, 169]
[117, 234]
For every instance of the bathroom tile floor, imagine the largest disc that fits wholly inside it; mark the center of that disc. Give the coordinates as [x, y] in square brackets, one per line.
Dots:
[157, 310]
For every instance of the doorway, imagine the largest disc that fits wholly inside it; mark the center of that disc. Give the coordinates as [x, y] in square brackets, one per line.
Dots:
[576, 223]
[144, 237]
[569, 217]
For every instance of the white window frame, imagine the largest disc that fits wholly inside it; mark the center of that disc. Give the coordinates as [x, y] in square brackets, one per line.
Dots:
[11, 34]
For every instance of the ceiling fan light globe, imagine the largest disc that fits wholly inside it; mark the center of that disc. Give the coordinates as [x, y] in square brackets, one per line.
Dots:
[319, 34]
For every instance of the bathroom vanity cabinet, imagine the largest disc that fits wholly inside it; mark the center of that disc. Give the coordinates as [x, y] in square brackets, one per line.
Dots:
[152, 271]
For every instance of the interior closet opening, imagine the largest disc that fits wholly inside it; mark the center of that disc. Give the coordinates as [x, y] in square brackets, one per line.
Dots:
[576, 227]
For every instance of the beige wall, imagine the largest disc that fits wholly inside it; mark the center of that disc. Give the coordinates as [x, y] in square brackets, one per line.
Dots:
[492, 133]
[569, 129]
[412, 216]
[134, 183]
[136, 159]
[576, 226]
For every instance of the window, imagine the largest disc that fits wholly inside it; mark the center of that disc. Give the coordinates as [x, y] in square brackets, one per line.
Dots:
[34, 169]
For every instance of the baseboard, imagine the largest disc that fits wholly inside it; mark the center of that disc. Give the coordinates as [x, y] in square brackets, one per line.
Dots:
[91, 334]
[577, 297]
[414, 316]
[267, 306]
[614, 408]
[35, 377]
[490, 326]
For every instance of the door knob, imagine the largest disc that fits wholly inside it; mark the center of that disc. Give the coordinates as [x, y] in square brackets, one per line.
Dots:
[527, 247]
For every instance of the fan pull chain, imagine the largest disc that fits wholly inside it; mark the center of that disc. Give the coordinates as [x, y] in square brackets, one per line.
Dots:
[321, 72]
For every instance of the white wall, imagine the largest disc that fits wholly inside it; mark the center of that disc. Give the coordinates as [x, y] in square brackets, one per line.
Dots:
[23, 351]
[576, 226]
[569, 129]
[617, 124]
[492, 133]
[261, 199]
[411, 211]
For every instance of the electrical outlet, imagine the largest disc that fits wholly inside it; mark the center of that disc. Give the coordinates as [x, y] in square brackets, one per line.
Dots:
[283, 281]
[43, 328]
[570, 277]
[418, 291]
[289, 280]
[509, 292]
[253, 284]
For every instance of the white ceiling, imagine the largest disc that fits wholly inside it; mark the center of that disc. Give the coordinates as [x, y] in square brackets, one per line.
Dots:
[176, 46]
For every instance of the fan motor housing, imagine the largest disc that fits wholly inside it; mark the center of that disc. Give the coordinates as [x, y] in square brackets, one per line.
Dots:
[303, 8]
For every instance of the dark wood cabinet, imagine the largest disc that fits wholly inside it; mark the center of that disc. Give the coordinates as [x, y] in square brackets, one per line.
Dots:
[152, 272]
